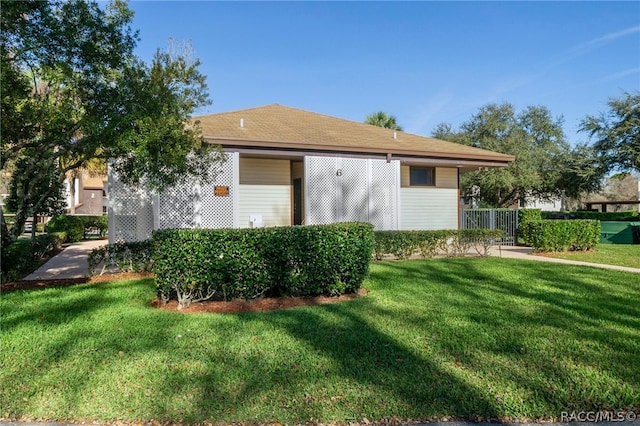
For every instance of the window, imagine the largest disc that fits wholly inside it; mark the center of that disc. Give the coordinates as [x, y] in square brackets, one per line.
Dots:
[104, 209]
[422, 176]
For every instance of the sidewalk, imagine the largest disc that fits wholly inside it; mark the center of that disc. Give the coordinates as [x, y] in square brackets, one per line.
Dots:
[70, 263]
[516, 252]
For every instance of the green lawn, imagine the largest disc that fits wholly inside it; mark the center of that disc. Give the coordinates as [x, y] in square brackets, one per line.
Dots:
[489, 337]
[610, 254]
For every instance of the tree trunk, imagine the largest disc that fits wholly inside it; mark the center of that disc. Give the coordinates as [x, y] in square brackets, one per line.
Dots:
[34, 226]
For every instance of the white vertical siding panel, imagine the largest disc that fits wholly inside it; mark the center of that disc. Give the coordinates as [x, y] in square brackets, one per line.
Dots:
[273, 202]
[428, 208]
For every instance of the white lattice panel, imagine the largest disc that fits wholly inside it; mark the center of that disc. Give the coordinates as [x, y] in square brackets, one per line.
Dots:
[219, 211]
[384, 181]
[354, 185]
[130, 212]
[349, 189]
[321, 203]
[176, 208]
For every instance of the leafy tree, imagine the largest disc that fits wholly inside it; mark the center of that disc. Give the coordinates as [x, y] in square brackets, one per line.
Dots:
[382, 119]
[37, 188]
[73, 89]
[533, 136]
[580, 172]
[617, 132]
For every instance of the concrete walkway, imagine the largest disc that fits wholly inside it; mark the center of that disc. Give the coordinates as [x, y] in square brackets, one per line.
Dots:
[516, 252]
[70, 263]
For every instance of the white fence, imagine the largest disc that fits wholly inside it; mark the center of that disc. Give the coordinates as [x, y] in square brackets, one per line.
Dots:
[504, 219]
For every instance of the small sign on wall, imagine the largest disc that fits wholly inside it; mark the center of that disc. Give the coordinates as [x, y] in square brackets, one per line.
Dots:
[221, 191]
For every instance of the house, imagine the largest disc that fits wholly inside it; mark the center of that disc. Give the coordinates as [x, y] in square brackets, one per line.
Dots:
[286, 166]
[88, 196]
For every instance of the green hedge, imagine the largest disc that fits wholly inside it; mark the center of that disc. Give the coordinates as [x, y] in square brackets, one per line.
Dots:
[22, 257]
[126, 257]
[601, 216]
[561, 235]
[77, 227]
[192, 264]
[429, 243]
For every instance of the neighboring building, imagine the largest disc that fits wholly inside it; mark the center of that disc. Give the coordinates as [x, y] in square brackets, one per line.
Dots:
[89, 196]
[286, 166]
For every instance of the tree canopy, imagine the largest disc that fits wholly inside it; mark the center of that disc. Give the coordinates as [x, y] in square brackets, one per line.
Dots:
[617, 132]
[73, 89]
[538, 142]
[382, 119]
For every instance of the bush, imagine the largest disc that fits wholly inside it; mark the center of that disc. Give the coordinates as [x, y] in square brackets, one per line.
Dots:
[95, 223]
[525, 215]
[593, 215]
[429, 243]
[72, 226]
[126, 257]
[561, 235]
[21, 257]
[17, 260]
[195, 264]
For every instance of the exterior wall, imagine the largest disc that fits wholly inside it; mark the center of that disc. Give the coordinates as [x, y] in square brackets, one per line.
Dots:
[446, 177]
[428, 208]
[91, 202]
[265, 189]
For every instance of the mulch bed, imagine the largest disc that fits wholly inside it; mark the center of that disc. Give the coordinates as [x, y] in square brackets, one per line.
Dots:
[209, 306]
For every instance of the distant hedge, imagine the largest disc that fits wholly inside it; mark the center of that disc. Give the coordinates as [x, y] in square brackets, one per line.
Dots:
[601, 216]
[196, 264]
[76, 228]
[428, 243]
[561, 235]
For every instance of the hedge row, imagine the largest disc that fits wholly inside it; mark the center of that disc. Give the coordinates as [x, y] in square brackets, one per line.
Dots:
[193, 264]
[560, 235]
[22, 256]
[404, 244]
[601, 216]
[126, 257]
[78, 227]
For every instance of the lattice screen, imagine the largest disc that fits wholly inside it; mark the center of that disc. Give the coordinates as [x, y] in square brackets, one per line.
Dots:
[196, 206]
[384, 181]
[130, 212]
[354, 185]
[348, 189]
[321, 202]
[216, 211]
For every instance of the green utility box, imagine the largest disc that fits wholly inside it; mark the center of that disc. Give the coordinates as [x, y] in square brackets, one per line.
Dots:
[619, 232]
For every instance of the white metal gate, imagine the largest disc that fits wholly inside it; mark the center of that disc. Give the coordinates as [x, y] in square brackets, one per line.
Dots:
[504, 219]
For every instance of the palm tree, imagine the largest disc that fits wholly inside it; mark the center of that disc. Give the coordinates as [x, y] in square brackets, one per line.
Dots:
[382, 119]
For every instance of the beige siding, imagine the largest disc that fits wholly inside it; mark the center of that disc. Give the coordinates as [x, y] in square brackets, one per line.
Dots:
[262, 171]
[446, 177]
[428, 208]
[265, 189]
[273, 202]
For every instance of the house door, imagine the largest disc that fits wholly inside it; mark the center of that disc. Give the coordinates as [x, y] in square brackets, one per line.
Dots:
[297, 201]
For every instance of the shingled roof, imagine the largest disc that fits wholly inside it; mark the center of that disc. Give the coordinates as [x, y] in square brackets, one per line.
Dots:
[284, 128]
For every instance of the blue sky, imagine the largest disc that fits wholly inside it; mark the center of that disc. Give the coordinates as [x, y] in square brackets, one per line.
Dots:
[424, 62]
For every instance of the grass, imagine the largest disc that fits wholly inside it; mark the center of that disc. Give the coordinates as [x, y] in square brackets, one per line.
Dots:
[467, 338]
[609, 254]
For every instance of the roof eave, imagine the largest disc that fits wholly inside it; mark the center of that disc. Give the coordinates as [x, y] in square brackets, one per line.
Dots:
[250, 143]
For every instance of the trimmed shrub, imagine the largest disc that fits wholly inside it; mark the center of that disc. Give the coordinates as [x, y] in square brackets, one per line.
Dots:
[72, 226]
[196, 264]
[126, 257]
[17, 260]
[95, 223]
[429, 243]
[525, 215]
[631, 216]
[561, 235]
